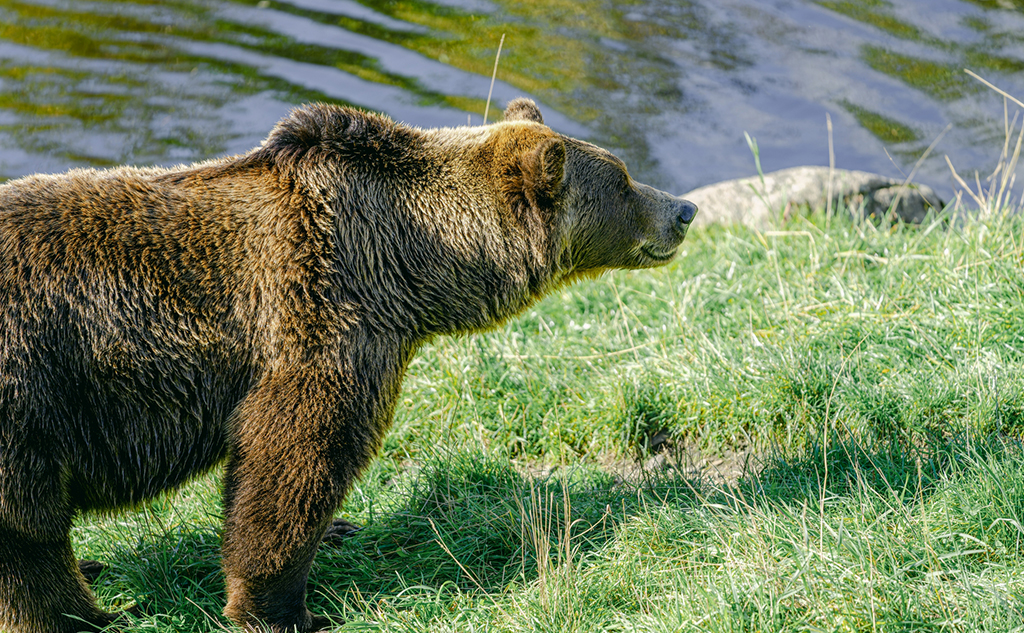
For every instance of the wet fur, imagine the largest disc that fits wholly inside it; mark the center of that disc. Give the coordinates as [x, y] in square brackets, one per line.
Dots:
[259, 311]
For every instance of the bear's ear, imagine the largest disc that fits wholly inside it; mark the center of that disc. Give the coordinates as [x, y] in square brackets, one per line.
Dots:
[523, 109]
[544, 170]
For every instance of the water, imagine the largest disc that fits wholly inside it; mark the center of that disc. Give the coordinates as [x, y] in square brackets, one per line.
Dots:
[670, 85]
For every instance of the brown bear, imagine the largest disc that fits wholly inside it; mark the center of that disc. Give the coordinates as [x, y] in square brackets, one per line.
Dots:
[260, 310]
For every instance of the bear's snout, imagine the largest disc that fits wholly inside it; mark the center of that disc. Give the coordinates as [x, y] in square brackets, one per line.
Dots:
[685, 212]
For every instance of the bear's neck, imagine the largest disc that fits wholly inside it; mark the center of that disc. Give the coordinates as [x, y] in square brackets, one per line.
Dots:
[429, 243]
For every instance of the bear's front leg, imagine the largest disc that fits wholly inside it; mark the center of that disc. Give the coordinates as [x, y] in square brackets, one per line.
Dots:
[296, 450]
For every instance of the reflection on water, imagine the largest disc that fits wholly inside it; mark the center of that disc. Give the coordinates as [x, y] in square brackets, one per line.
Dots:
[671, 85]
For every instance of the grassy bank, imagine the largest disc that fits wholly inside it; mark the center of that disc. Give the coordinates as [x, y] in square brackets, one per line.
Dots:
[876, 372]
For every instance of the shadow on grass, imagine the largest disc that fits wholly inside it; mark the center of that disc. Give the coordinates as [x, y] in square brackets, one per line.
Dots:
[478, 523]
[892, 469]
[174, 577]
[467, 526]
[464, 524]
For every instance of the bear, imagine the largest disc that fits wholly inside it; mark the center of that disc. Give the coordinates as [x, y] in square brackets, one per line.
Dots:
[258, 312]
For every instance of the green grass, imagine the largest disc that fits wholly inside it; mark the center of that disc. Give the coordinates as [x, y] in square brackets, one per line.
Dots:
[877, 371]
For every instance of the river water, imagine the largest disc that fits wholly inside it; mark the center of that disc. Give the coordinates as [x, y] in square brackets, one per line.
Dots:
[669, 85]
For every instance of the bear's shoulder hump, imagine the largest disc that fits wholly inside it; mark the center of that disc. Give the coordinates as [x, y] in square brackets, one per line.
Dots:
[326, 126]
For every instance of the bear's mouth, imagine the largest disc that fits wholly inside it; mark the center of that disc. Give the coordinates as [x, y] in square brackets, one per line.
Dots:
[657, 256]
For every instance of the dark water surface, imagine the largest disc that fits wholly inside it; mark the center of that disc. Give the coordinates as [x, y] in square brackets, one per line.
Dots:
[670, 85]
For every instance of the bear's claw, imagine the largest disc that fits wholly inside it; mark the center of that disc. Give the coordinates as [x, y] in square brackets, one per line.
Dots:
[92, 570]
[339, 529]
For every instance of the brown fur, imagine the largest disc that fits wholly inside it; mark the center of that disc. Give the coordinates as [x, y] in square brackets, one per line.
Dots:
[261, 310]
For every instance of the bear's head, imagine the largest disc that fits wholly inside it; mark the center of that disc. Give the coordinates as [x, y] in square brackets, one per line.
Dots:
[605, 218]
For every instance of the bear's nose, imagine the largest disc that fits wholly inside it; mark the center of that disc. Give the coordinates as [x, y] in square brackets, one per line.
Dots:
[685, 210]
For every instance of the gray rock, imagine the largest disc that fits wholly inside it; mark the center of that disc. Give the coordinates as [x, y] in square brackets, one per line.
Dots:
[755, 203]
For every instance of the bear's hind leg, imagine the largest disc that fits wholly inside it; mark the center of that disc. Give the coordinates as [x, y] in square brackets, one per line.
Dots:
[42, 589]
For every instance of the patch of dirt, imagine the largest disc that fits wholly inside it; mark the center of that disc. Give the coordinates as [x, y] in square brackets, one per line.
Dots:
[720, 468]
[726, 467]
